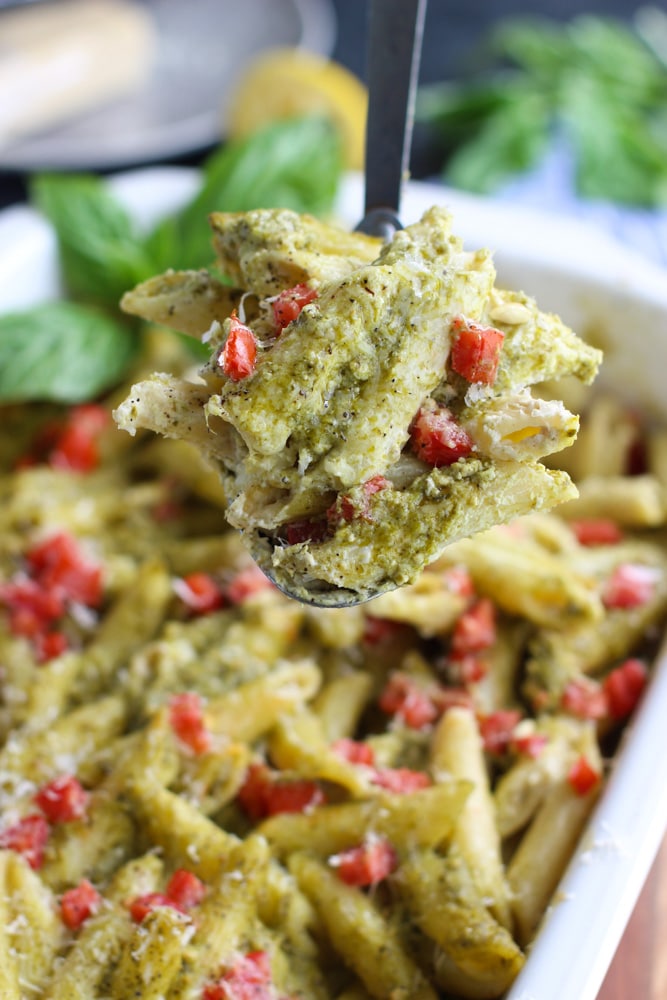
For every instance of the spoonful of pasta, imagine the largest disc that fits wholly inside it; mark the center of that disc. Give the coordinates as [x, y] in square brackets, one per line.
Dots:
[367, 397]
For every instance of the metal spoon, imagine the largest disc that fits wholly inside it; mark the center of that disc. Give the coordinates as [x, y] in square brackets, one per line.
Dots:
[395, 32]
[394, 50]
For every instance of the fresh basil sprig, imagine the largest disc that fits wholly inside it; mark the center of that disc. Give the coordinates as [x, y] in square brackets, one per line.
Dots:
[72, 351]
[593, 82]
[62, 352]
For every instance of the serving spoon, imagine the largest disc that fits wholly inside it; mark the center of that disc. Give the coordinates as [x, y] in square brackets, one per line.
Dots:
[395, 32]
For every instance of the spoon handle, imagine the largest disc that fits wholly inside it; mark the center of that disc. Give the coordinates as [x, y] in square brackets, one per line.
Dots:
[394, 48]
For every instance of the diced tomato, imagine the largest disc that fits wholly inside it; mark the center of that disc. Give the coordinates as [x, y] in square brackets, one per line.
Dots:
[366, 864]
[401, 780]
[239, 355]
[248, 979]
[79, 903]
[582, 776]
[288, 305]
[186, 718]
[77, 445]
[185, 889]
[32, 609]
[530, 744]
[246, 583]
[306, 531]
[476, 350]
[585, 698]
[437, 438]
[28, 837]
[252, 793]
[468, 669]
[354, 751]
[265, 794]
[58, 565]
[624, 687]
[475, 630]
[50, 645]
[597, 531]
[403, 698]
[346, 509]
[141, 906]
[497, 729]
[445, 698]
[293, 796]
[381, 630]
[63, 800]
[200, 593]
[459, 581]
[630, 586]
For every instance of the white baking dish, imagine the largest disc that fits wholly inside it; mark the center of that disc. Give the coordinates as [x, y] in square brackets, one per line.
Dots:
[590, 280]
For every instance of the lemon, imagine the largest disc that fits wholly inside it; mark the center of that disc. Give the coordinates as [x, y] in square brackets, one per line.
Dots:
[285, 83]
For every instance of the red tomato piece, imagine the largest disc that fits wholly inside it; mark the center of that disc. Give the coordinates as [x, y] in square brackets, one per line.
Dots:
[200, 593]
[265, 794]
[141, 906]
[252, 793]
[288, 305]
[346, 509]
[354, 751]
[529, 744]
[475, 630]
[186, 718]
[497, 729]
[239, 355]
[630, 586]
[585, 698]
[476, 350]
[624, 686]
[28, 837]
[77, 445]
[401, 780]
[50, 645]
[306, 531]
[405, 699]
[445, 698]
[437, 438]
[63, 800]
[597, 531]
[248, 979]
[468, 669]
[32, 609]
[79, 903]
[185, 889]
[381, 630]
[58, 564]
[582, 776]
[293, 796]
[246, 583]
[459, 581]
[366, 864]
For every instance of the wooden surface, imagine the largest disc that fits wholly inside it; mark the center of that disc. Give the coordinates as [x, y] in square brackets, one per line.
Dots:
[639, 968]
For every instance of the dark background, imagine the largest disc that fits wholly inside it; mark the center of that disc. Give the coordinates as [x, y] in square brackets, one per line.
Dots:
[454, 35]
[454, 29]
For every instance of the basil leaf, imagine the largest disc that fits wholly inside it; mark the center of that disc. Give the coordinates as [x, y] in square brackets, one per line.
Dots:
[293, 164]
[101, 253]
[62, 352]
[617, 155]
[510, 141]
